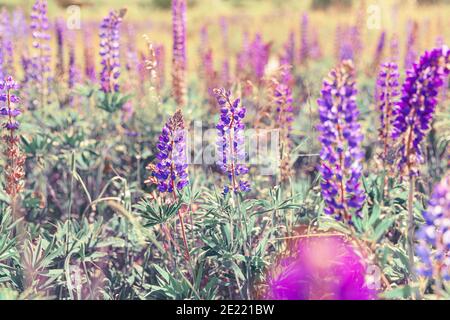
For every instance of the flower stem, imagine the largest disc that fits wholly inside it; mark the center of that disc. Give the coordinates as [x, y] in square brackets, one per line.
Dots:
[410, 230]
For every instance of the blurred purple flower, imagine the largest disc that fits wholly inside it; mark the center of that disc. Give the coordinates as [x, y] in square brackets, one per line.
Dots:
[411, 54]
[434, 236]
[89, 56]
[59, 31]
[304, 39]
[179, 59]
[288, 55]
[259, 57]
[320, 268]
[6, 44]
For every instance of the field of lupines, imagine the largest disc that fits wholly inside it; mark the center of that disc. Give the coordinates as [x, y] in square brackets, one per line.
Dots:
[210, 150]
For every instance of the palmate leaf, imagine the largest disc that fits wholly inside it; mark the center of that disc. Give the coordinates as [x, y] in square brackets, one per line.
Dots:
[7, 241]
[154, 213]
[111, 102]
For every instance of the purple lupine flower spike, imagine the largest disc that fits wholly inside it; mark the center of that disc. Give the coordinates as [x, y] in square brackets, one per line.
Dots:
[259, 57]
[341, 137]
[304, 39]
[411, 54]
[160, 55]
[15, 159]
[378, 56]
[316, 50]
[282, 99]
[225, 76]
[395, 50]
[6, 43]
[388, 89]
[89, 57]
[110, 51]
[73, 73]
[434, 236]
[231, 148]
[179, 59]
[288, 56]
[415, 111]
[59, 31]
[40, 61]
[170, 173]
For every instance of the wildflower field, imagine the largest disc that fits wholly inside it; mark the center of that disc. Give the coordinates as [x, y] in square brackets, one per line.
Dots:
[224, 150]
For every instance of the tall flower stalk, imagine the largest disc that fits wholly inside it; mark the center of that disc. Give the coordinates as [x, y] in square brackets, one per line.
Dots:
[394, 49]
[179, 60]
[40, 61]
[59, 31]
[207, 67]
[378, 56]
[15, 160]
[281, 94]
[304, 39]
[89, 57]
[411, 43]
[288, 55]
[110, 51]
[73, 73]
[231, 148]
[170, 173]
[413, 116]
[6, 44]
[388, 90]
[340, 136]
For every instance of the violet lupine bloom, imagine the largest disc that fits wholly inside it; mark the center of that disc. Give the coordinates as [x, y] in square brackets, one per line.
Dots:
[316, 50]
[395, 50]
[231, 144]
[6, 43]
[225, 76]
[378, 56]
[434, 235]
[320, 268]
[19, 24]
[340, 136]
[243, 56]
[160, 55]
[89, 57]
[344, 45]
[415, 111]
[304, 40]
[59, 30]
[207, 67]
[282, 99]
[73, 73]
[411, 54]
[110, 51]
[179, 60]
[259, 57]
[388, 88]
[40, 61]
[170, 173]
[288, 55]
[15, 160]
